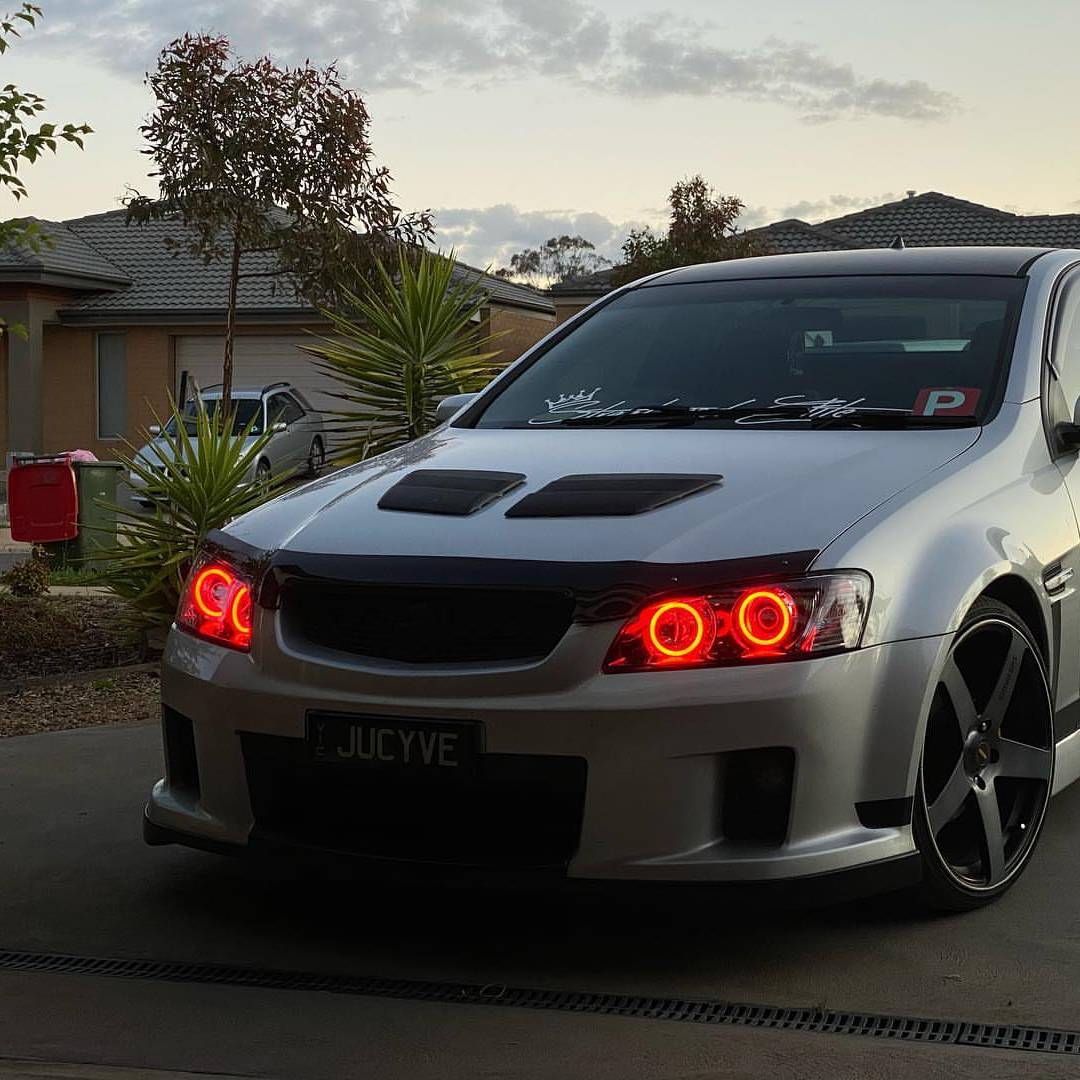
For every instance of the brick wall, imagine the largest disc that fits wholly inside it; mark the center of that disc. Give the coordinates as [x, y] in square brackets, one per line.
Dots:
[565, 309]
[70, 412]
[522, 330]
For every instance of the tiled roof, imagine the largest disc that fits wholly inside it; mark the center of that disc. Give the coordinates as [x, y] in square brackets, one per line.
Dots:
[163, 280]
[928, 220]
[64, 254]
[152, 278]
[507, 292]
[591, 285]
[793, 236]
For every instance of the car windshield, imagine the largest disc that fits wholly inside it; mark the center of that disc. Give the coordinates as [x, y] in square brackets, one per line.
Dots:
[846, 351]
[244, 410]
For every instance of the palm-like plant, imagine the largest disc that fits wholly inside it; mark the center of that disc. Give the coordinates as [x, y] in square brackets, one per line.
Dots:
[399, 349]
[201, 487]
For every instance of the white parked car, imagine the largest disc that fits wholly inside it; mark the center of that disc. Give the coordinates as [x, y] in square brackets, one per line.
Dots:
[297, 442]
[753, 571]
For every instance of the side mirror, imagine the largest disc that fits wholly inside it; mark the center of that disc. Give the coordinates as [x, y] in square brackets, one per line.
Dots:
[278, 427]
[154, 430]
[451, 405]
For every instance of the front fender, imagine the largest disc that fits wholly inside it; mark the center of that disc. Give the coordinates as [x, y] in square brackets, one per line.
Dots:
[999, 508]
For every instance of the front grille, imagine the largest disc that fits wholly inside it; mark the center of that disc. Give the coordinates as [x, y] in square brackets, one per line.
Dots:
[521, 811]
[426, 624]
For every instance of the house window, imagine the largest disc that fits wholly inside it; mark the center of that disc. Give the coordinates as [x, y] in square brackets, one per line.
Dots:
[111, 386]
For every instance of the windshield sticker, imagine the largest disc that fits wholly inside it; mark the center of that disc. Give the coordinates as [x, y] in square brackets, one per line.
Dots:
[578, 403]
[946, 401]
[585, 405]
[817, 339]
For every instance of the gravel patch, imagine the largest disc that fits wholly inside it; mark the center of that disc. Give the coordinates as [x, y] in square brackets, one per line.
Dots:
[123, 699]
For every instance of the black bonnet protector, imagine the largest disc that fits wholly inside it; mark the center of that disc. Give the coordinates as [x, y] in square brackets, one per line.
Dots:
[449, 491]
[610, 494]
[601, 590]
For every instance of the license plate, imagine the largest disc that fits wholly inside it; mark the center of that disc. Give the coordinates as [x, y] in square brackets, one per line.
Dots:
[447, 747]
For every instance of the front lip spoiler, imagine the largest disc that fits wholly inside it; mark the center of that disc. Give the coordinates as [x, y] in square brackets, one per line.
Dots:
[835, 887]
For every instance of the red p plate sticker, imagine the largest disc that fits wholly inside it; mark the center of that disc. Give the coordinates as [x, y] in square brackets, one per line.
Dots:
[946, 401]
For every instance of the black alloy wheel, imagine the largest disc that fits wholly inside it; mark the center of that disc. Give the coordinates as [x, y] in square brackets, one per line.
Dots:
[987, 766]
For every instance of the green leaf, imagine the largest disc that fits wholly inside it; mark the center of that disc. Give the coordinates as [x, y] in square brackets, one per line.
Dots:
[400, 350]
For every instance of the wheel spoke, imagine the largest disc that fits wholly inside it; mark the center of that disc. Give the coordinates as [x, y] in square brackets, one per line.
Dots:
[998, 704]
[1022, 761]
[943, 809]
[957, 688]
[992, 833]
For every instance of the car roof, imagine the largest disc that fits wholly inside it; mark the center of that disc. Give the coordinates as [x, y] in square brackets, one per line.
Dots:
[214, 391]
[996, 261]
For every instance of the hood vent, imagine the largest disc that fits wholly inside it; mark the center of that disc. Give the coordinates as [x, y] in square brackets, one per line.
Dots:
[449, 491]
[611, 494]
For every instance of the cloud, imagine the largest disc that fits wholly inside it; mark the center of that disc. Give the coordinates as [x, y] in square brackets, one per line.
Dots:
[429, 43]
[488, 236]
[665, 58]
[831, 206]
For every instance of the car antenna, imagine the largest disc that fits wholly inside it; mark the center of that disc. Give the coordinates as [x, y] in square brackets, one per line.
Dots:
[898, 243]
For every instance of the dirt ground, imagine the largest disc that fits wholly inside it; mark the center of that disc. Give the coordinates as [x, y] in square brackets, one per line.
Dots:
[51, 635]
[123, 699]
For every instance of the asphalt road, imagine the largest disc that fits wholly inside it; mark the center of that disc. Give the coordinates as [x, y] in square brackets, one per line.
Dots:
[76, 878]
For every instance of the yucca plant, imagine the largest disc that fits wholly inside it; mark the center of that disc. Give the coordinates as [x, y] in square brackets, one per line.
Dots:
[200, 488]
[399, 349]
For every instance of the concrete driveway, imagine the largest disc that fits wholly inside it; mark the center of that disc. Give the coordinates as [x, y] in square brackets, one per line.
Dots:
[76, 879]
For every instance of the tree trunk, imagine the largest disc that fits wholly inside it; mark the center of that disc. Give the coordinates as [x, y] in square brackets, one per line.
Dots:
[230, 333]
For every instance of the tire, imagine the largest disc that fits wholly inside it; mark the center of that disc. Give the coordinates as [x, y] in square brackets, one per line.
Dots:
[977, 819]
[316, 457]
[263, 477]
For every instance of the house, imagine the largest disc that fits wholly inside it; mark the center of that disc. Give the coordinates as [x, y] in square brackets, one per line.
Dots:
[927, 220]
[114, 320]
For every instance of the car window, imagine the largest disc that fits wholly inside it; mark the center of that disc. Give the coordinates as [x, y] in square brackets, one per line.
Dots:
[282, 408]
[245, 411]
[918, 345]
[292, 409]
[1065, 351]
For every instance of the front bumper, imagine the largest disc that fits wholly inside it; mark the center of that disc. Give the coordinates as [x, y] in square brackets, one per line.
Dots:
[656, 747]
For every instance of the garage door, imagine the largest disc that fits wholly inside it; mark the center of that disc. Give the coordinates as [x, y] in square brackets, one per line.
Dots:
[258, 359]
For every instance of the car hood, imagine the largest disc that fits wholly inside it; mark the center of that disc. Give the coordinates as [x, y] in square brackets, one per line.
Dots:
[156, 452]
[159, 451]
[782, 491]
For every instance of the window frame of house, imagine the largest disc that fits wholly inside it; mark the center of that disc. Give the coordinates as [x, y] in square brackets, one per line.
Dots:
[98, 430]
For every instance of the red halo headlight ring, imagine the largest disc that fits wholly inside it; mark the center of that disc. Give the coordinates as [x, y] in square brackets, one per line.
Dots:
[679, 630]
[210, 589]
[764, 619]
[795, 618]
[216, 604]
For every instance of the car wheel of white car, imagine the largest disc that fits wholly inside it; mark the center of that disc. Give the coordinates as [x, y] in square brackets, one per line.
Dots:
[316, 457]
[987, 765]
[262, 474]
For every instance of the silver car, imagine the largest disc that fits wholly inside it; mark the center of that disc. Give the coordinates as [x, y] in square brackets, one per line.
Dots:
[753, 572]
[297, 442]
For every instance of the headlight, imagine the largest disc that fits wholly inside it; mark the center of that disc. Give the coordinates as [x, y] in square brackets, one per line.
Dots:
[216, 604]
[753, 623]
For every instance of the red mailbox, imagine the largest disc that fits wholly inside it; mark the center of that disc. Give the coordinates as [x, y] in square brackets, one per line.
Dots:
[43, 504]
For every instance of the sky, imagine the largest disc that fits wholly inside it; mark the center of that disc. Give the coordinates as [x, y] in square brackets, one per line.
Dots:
[516, 120]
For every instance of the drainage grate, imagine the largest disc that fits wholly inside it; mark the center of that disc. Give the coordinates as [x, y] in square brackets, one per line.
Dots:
[825, 1021]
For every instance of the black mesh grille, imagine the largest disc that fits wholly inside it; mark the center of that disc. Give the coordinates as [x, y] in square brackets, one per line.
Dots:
[521, 811]
[426, 624]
